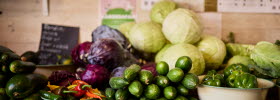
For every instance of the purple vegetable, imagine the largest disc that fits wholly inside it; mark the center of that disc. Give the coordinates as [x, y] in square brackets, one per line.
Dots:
[150, 67]
[107, 53]
[80, 52]
[95, 75]
[62, 78]
[118, 72]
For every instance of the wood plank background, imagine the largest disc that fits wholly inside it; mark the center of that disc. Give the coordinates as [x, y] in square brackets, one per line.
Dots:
[21, 20]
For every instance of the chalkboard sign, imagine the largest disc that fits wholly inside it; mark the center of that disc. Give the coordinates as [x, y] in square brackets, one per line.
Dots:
[56, 41]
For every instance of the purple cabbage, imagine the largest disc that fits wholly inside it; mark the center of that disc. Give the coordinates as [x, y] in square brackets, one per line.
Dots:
[62, 78]
[95, 75]
[80, 52]
[150, 67]
[118, 72]
[107, 53]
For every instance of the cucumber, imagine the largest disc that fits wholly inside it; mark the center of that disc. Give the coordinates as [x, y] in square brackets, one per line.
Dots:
[30, 56]
[4, 49]
[7, 57]
[144, 98]
[162, 68]
[34, 96]
[162, 81]
[131, 72]
[190, 81]
[181, 98]
[182, 90]
[23, 85]
[162, 98]
[118, 82]
[185, 63]
[110, 93]
[19, 66]
[135, 88]
[146, 77]
[175, 75]
[170, 92]
[3, 80]
[122, 94]
[152, 91]
[5, 68]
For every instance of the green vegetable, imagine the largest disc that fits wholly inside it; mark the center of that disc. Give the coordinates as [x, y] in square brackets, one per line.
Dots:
[131, 72]
[144, 98]
[175, 75]
[7, 57]
[192, 98]
[213, 50]
[118, 82]
[245, 60]
[18, 66]
[267, 57]
[125, 28]
[185, 63]
[239, 49]
[122, 94]
[45, 95]
[135, 88]
[246, 81]
[235, 67]
[22, 85]
[3, 80]
[146, 77]
[172, 53]
[190, 81]
[162, 81]
[4, 49]
[152, 91]
[34, 96]
[3, 95]
[30, 56]
[170, 92]
[162, 68]
[161, 53]
[182, 90]
[277, 42]
[181, 98]
[162, 98]
[147, 37]
[182, 26]
[232, 77]
[110, 93]
[213, 79]
[70, 97]
[161, 9]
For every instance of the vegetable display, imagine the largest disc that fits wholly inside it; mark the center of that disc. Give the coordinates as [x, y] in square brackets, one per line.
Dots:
[95, 75]
[80, 52]
[161, 9]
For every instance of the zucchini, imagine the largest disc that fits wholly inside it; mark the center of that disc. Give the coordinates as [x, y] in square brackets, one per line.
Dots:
[23, 85]
[7, 57]
[19, 66]
[4, 49]
[30, 56]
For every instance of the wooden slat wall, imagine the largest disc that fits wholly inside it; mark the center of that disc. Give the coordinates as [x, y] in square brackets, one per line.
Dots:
[21, 21]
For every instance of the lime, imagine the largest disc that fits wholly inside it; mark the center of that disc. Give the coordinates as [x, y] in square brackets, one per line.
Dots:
[181, 98]
[185, 63]
[152, 91]
[162, 68]
[182, 90]
[170, 92]
[175, 75]
[162, 81]
[190, 81]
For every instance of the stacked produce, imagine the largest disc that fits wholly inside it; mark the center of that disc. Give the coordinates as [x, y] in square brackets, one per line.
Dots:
[137, 83]
[17, 80]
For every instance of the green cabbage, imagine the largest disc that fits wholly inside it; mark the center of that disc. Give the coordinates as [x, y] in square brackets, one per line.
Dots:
[239, 49]
[245, 60]
[125, 28]
[160, 54]
[161, 9]
[182, 26]
[213, 50]
[172, 53]
[147, 37]
[267, 57]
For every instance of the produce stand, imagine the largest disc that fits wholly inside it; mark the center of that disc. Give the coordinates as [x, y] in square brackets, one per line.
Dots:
[140, 50]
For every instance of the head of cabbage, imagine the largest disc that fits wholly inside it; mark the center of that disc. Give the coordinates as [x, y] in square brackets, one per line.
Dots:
[125, 28]
[213, 50]
[267, 57]
[147, 37]
[161, 9]
[171, 53]
[182, 26]
[245, 60]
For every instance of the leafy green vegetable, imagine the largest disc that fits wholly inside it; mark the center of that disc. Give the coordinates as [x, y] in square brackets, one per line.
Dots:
[213, 50]
[171, 54]
[161, 9]
[239, 49]
[267, 57]
[182, 26]
[147, 37]
[240, 59]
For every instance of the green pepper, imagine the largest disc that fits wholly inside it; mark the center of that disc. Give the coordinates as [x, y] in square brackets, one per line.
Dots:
[62, 91]
[246, 80]
[45, 95]
[235, 67]
[213, 79]
[232, 77]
